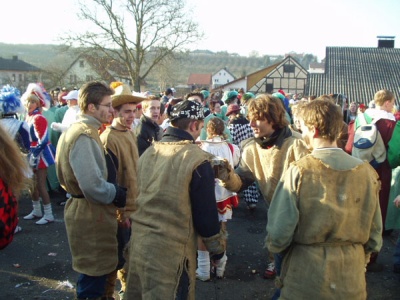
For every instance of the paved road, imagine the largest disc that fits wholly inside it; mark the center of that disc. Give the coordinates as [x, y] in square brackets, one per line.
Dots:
[37, 265]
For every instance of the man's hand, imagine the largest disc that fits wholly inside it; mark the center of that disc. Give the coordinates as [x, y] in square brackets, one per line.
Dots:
[120, 196]
[223, 170]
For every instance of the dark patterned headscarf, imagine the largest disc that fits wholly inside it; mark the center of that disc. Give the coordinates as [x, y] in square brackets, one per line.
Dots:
[187, 109]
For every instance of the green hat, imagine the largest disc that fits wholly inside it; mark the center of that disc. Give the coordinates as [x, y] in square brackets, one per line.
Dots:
[247, 96]
[279, 95]
[230, 96]
[205, 93]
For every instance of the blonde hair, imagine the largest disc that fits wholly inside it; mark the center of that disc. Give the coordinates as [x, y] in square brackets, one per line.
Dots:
[13, 166]
[382, 96]
[32, 97]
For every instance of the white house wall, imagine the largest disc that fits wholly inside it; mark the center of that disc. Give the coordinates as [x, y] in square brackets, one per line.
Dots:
[13, 77]
[242, 83]
[222, 77]
[82, 73]
[293, 82]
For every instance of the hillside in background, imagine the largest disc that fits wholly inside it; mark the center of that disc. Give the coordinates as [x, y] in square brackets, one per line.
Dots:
[200, 61]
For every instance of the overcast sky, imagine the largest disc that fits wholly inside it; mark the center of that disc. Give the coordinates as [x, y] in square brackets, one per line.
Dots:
[267, 26]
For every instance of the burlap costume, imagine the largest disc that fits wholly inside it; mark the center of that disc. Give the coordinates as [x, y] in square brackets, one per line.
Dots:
[267, 165]
[326, 214]
[163, 241]
[91, 226]
[124, 146]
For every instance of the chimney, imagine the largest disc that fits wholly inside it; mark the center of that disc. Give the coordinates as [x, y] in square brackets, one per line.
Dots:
[385, 41]
[15, 57]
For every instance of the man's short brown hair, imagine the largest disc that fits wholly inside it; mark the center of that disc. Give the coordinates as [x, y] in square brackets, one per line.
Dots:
[268, 107]
[93, 92]
[325, 116]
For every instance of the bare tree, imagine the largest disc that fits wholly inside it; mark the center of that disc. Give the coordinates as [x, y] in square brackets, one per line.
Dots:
[169, 71]
[137, 33]
[54, 70]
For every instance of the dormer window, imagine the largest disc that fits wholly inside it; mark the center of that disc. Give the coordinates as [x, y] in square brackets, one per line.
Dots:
[81, 63]
[288, 68]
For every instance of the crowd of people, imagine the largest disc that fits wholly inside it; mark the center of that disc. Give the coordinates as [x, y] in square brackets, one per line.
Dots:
[154, 179]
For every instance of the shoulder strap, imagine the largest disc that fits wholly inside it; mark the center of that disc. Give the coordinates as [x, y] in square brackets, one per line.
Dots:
[363, 120]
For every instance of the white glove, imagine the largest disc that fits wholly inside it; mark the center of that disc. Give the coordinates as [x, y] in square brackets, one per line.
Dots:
[56, 126]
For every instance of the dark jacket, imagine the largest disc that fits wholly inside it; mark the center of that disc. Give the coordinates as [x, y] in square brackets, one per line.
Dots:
[147, 132]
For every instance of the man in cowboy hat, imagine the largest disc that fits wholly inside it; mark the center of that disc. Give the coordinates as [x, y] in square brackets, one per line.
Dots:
[175, 205]
[90, 212]
[120, 143]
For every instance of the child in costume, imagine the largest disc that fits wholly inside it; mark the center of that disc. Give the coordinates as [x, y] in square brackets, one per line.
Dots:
[216, 145]
[41, 154]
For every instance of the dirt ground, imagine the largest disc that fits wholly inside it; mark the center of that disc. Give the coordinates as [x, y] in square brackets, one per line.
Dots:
[37, 264]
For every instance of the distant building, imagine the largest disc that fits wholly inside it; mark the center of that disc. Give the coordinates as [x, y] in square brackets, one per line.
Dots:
[87, 68]
[316, 67]
[18, 73]
[288, 75]
[196, 81]
[222, 77]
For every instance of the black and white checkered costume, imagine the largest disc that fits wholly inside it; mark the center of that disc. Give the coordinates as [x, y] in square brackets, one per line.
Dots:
[240, 130]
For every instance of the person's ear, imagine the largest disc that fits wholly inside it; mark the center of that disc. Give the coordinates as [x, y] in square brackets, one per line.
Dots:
[315, 132]
[193, 126]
